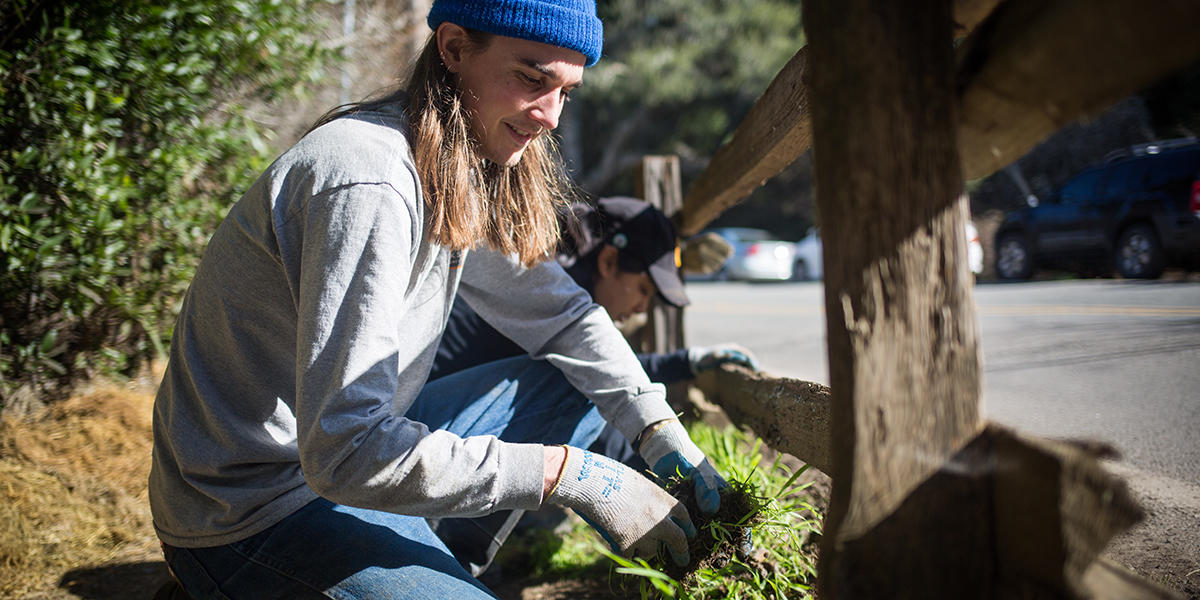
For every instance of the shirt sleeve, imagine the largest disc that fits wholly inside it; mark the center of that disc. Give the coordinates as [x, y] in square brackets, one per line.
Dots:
[356, 339]
[545, 312]
[668, 368]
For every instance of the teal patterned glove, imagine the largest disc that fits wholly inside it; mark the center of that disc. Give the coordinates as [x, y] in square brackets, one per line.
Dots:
[670, 452]
[707, 358]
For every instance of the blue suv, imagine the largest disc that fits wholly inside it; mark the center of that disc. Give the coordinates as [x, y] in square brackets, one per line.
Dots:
[1137, 213]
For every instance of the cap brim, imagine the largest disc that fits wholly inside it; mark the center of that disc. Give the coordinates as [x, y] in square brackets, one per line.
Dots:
[666, 277]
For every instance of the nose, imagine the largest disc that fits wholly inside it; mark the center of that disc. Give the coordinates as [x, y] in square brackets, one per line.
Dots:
[643, 305]
[548, 109]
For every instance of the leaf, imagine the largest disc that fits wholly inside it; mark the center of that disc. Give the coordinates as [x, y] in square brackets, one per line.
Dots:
[646, 572]
[48, 341]
[53, 365]
[90, 294]
[789, 482]
[103, 128]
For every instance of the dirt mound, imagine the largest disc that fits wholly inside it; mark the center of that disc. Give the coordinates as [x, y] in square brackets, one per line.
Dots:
[73, 505]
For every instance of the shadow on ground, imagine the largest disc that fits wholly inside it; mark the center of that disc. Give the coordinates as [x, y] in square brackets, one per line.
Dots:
[116, 581]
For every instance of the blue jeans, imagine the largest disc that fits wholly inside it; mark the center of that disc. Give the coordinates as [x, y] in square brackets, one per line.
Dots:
[325, 550]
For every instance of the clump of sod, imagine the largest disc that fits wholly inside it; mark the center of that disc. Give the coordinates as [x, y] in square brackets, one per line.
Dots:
[763, 504]
[720, 536]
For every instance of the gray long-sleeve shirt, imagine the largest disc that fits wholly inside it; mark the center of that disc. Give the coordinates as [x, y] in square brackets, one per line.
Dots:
[310, 328]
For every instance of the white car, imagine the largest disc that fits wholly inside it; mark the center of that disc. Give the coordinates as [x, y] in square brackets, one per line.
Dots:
[807, 265]
[974, 249]
[757, 255]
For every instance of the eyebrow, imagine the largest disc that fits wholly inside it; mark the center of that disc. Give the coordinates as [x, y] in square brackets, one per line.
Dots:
[546, 71]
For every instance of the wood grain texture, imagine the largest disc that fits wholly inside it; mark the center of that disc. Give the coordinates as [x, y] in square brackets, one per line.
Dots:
[903, 349]
[904, 357]
[790, 415]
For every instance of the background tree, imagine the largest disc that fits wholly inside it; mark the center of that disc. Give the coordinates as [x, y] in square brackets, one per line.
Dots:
[125, 142]
[677, 77]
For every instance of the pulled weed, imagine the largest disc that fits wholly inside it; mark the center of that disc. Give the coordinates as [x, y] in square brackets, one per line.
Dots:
[760, 544]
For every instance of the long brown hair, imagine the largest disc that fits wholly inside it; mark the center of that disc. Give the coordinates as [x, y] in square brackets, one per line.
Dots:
[468, 199]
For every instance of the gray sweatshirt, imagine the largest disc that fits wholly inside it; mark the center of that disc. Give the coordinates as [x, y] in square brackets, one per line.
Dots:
[310, 328]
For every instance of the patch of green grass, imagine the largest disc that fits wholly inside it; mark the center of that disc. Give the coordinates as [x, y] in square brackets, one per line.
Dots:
[575, 554]
[543, 554]
[784, 525]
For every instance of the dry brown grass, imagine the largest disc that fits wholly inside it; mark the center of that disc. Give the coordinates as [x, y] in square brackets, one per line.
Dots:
[73, 490]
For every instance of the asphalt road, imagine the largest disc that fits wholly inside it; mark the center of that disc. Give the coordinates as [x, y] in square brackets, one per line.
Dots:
[1110, 360]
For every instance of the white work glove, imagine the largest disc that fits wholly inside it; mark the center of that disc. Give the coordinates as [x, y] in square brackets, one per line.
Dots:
[670, 453]
[633, 514]
[707, 358]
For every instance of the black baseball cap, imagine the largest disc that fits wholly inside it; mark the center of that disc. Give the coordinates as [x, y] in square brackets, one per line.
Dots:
[645, 236]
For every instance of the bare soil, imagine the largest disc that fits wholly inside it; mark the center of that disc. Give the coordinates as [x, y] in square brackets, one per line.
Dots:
[1165, 547]
[75, 520]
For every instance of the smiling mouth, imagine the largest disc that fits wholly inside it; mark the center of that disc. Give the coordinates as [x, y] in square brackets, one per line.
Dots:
[524, 137]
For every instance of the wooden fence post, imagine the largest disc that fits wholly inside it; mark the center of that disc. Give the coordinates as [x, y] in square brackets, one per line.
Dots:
[657, 182]
[903, 351]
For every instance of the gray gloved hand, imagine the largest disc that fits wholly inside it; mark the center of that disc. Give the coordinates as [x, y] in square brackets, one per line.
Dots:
[670, 453]
[704, 254]
[707, 358]
[633, 514]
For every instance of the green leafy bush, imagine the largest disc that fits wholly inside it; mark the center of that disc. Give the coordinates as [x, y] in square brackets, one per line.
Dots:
[126, 140]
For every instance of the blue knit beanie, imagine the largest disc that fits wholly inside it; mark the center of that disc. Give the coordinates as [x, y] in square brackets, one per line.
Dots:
[570, 24]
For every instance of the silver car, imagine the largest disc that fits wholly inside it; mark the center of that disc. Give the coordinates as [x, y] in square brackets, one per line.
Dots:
[807, 265]
[757, 255]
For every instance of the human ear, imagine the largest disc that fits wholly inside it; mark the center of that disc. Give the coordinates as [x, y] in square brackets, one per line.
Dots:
[452, 41]
[606, 262]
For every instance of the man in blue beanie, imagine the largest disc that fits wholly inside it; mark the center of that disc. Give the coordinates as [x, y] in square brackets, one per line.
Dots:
[298, 446]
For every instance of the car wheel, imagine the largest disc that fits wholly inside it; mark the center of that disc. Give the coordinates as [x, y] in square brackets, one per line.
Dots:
[1013, 259]
[800, 271]
[1138, 254]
